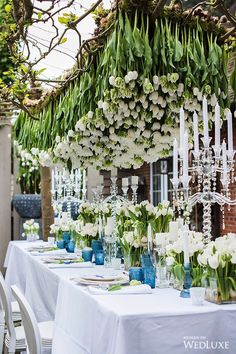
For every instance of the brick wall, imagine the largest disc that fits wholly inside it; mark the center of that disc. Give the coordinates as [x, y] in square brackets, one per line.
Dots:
[144, 181]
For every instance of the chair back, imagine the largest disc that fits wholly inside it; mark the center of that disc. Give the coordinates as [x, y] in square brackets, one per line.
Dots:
[30, 324]
[6, 307]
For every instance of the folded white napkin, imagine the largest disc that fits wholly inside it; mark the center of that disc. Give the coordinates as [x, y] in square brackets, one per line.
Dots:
[71, 265]
[49, 253]
[126, 290]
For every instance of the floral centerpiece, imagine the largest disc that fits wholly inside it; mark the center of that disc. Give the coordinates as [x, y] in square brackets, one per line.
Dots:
[61, 226]
[85, 233]
[86, 228]
[132, 225]
[90, 212]
[175, 258]
[31, 230]
[219, 261]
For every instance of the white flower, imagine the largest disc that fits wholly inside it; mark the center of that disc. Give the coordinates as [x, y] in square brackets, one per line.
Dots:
[155, 80]
[105, 106]
[127, 79]
[233, 258]
[134, 75]
[170, 261]
[80, 126]
[71, 133]
[111, 81]
[129, 237]
[213, 261]
[100, 103]
[202, 259]
[90, 114]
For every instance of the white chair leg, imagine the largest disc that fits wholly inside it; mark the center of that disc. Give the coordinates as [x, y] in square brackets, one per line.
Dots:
[12, 346]
[2, 327]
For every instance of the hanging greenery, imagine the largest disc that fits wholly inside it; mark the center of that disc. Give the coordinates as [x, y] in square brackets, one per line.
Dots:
[125, 109]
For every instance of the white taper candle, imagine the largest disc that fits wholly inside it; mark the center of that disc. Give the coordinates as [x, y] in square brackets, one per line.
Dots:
[217, 126]
[175, 160]
[205, 121]
[195, 131]
[230, 131]
[185, 158]
[181, 129]
[224, 163]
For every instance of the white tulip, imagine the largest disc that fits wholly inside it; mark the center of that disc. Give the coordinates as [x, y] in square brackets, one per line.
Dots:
[213, 261]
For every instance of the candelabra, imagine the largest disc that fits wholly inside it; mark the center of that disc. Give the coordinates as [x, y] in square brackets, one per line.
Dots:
[209, 164]
[133, 185]
[68, 187]
[97, 194]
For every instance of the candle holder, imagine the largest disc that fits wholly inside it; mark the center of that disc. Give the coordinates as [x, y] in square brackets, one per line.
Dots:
[110, 249]
[67, 188]
[125, 192]
[208, 164]
[185, 293]
[134, 188]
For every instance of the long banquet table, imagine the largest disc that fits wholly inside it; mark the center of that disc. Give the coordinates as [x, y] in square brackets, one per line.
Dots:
[157, 323]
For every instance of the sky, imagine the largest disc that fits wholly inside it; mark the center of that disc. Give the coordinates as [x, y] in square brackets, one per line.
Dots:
[60, 59]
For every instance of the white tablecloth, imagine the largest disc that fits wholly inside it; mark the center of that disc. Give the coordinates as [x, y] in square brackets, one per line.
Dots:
[157, 323]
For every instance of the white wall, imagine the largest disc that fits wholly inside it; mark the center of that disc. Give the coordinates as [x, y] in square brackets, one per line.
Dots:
[5, 190]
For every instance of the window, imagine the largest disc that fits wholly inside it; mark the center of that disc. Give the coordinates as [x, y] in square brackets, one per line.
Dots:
[161, 186]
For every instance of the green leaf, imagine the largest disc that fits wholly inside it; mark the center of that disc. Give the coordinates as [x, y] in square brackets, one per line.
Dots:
[233, 79]
[8, 8]
[40, 15]
[41, 71]
[114, 287]
[63, 20]
[63, 40]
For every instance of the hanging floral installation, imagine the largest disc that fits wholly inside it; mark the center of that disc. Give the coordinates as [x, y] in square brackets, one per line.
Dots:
[124, 110]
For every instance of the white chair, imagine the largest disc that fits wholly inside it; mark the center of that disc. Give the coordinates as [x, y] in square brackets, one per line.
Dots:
[15, 336]
[6, 316]
[38, 335]
[29, 322]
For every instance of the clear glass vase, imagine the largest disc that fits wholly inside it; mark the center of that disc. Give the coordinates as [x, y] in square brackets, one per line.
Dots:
[32, 237]
[127, 261]
[221, 290]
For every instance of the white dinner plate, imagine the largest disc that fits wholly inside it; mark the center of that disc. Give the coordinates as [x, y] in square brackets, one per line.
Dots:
[64, 259]
[122, 281]
[102, 277]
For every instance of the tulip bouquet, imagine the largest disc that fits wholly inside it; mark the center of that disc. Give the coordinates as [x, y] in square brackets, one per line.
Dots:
[175, 257]
[31, 230]
[85, 233]
[219, 260]
[133, 221]
[90, 212]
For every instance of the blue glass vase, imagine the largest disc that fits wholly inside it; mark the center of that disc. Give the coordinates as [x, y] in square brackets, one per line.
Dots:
[87, 254]
[146, 260]
[61, 244]
[71, 246]
[66, 236]
[149, 276]
[99, 257]
[136, 273]
[97, 245]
